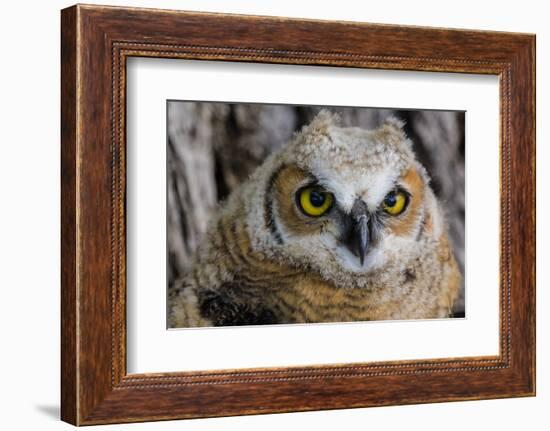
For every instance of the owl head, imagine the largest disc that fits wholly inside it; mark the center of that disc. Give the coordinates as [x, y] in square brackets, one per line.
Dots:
[343, 201]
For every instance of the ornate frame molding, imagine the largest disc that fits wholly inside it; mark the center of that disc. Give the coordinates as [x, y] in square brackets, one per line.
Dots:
[96, 41]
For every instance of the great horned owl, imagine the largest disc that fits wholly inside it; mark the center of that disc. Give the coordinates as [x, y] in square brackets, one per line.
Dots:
[338, 225]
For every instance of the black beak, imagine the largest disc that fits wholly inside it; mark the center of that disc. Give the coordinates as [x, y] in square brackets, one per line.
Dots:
[359, 234]
[362, 236]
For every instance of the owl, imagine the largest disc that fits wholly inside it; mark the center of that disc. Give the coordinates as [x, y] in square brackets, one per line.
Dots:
[338, 225]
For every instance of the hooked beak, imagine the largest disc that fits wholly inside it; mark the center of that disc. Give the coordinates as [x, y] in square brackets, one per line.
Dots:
[362, 236]
[359, 234]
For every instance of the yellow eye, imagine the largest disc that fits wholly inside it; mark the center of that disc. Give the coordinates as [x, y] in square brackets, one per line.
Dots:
[395, 202]
[314, 201]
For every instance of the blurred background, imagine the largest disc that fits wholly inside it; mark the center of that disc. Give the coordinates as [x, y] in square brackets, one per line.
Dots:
[213, 147]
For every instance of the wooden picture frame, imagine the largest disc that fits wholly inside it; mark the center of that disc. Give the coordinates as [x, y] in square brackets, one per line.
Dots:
[96, 41]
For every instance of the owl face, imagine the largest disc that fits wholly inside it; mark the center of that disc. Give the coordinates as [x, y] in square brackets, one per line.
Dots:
[347, 199]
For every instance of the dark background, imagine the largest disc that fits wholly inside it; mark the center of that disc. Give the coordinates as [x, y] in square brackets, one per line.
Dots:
[212, 147]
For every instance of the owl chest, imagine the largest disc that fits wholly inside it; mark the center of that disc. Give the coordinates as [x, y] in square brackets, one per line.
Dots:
[305, 299]
[290, 297]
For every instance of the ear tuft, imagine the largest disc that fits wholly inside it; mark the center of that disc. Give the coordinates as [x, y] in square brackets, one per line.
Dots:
[392, 130]
[322, 121]
[394, 125]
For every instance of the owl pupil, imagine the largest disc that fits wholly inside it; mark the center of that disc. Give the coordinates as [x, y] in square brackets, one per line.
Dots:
[317, 199]
[390, 200]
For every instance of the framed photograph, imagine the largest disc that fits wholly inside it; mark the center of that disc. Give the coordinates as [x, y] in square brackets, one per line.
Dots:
[264, 214]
